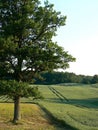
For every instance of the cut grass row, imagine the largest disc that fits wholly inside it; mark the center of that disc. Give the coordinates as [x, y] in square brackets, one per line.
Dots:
[33, 118]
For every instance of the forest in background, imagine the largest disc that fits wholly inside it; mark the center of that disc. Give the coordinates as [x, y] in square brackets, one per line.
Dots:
[65, 77]
[56, 77]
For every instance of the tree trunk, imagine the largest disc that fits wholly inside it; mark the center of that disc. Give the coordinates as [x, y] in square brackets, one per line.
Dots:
[16, 109]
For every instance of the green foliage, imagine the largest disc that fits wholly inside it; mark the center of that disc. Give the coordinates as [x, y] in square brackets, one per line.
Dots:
[95, 79]
[26, 47]
[14, 89]
[63, 77]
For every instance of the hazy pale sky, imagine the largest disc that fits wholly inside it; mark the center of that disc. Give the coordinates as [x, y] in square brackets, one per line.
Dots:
[80, 35]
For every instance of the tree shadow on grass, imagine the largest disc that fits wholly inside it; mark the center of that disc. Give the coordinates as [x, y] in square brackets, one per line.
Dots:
[59, 123]
[89, 103]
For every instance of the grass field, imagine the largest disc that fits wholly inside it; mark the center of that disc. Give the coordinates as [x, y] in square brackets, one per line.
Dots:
[70, 106]
[33, 118]
[76, 105]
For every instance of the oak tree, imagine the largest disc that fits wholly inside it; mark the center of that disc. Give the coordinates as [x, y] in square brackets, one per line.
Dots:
[26, 46]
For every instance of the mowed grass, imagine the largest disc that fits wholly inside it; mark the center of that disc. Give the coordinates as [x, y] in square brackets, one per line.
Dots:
[32, 118]
[77, 106]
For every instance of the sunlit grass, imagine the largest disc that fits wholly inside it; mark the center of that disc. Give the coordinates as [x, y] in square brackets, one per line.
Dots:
[81, 109]
[32, 118]
[78, 92]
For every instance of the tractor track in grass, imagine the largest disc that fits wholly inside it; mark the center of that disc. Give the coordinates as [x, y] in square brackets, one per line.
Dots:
[58, 94]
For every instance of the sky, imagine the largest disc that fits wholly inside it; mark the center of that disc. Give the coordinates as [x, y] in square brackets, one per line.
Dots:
[80, 34]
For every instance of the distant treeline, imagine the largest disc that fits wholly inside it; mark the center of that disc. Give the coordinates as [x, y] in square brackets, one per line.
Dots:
[59, 77]
[65, 77]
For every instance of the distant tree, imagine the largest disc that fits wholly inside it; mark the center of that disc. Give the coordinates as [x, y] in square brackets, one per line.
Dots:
[86, 79]
[94, 79]
[26, 47]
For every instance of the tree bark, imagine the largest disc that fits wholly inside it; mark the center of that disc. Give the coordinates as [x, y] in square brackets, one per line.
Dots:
[16, 109]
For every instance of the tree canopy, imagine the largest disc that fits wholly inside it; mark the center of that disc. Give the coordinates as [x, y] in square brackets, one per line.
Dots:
[26, 45]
